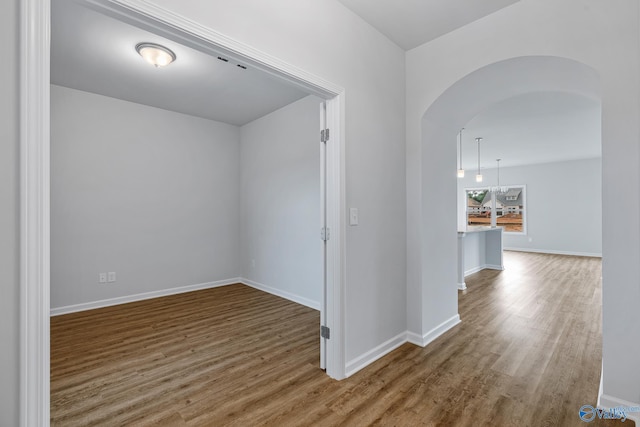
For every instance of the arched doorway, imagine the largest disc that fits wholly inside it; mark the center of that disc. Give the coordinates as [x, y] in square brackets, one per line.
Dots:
[433, 292]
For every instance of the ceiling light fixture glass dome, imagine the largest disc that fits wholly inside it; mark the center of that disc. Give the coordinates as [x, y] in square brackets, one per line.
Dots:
[155, 54]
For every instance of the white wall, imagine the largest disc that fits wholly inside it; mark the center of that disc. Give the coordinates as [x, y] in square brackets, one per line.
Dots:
[326, 39]
[280, 202]
[147, 193]
[156, 196]
[563, 205]
[9, 223]
[603, 37]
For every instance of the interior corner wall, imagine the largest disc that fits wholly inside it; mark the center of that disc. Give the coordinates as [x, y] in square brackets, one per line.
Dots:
[328, 40]
[147, 193]
[607, 40]
[9, 214]
[439, 296]
[280, 244]
[563, 205]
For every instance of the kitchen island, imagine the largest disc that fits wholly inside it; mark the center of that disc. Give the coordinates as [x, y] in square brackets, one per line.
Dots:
[478, 248]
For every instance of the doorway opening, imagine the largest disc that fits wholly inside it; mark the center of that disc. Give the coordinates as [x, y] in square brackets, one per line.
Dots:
[542, 172]
[440, 125]
[35, 299]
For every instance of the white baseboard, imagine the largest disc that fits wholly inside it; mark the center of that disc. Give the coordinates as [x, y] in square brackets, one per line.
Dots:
[139, 297]
[462, 286]
[608, 402]
[601, 388]
[553, 252]
[414, 338]
[473, 270]
[483, 267]
[434, 333]
[283, 294]
[189, 288]
[374, 354]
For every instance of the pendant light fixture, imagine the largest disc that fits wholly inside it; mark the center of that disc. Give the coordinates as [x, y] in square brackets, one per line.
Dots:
[460, 170]
[498, 190]
[155, 54]
[478, 175]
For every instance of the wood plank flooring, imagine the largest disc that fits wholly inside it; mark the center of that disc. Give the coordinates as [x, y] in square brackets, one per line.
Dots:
[528, 353]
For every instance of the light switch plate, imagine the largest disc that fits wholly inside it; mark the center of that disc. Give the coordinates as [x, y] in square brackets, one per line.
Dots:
[353, 216]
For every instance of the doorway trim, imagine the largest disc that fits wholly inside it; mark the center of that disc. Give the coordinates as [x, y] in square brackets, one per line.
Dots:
[35, 256]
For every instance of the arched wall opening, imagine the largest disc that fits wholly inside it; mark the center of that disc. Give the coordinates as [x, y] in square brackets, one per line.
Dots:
[437, 294]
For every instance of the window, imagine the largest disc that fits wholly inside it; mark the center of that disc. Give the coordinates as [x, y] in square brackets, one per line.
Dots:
[510, 210]
[506, 205]
[478, 207]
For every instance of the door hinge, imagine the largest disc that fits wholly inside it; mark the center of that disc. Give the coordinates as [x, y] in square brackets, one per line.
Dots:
[324, 135]
[325, 332]
[325, 233]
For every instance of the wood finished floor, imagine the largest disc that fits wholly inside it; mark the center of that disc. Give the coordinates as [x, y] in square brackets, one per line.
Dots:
[528, 353]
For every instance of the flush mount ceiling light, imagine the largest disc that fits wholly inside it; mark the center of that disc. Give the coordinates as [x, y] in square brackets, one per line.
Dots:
[155, 54]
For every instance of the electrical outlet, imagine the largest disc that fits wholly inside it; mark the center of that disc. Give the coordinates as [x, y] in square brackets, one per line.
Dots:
[102, 277]
[111, 277]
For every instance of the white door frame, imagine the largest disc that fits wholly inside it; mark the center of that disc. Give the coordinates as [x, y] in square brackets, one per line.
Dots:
[35, 18]
[323, 225]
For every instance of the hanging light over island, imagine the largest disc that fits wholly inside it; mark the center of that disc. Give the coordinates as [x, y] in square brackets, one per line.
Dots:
[478, 175]
[460, 169]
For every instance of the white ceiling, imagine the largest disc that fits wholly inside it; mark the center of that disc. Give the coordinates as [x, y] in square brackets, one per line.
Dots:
[538, 127]
[528, 129]
[410, 23]
[96, 53]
